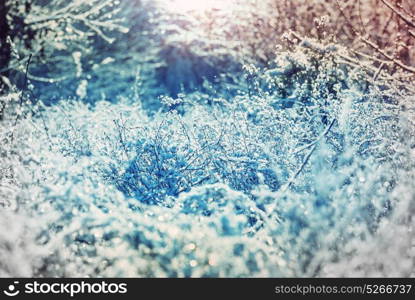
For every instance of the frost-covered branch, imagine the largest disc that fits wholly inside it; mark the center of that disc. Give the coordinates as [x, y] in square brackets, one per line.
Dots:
[52, 31]
[373, 45]
[408, 19]
[313, 146]
[387, 56]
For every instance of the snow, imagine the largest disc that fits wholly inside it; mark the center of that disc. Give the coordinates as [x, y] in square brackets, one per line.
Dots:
[170, 153]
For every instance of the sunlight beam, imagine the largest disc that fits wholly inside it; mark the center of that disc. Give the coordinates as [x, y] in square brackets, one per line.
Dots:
[196, 5]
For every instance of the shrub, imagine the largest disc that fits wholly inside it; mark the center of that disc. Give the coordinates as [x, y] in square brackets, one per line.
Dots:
[307, 170]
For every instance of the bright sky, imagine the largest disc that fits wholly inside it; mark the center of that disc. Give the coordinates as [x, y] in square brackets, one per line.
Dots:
[197, 5]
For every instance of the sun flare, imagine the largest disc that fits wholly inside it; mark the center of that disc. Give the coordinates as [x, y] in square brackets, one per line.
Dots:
[196, 5]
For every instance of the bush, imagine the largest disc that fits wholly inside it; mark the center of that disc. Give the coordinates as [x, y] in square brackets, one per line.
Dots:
[303, 167]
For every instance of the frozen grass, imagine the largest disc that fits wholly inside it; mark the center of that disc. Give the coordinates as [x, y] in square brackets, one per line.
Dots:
[303, 166]
[236, 188]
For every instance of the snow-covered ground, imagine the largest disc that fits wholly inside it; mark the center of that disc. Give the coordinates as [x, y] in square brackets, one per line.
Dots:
[299, 168]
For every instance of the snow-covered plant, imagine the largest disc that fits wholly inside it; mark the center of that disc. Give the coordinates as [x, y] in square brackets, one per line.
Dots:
[304, 166]
[56, 35]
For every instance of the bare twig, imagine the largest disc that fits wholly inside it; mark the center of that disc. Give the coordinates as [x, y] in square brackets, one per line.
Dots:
[401, 15]
[387, 56]
[360, 16]
[375, 46]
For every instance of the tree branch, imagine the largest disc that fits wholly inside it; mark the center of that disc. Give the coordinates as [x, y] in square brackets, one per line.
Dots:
[387, 56]
[405, 18]
[313, 146]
